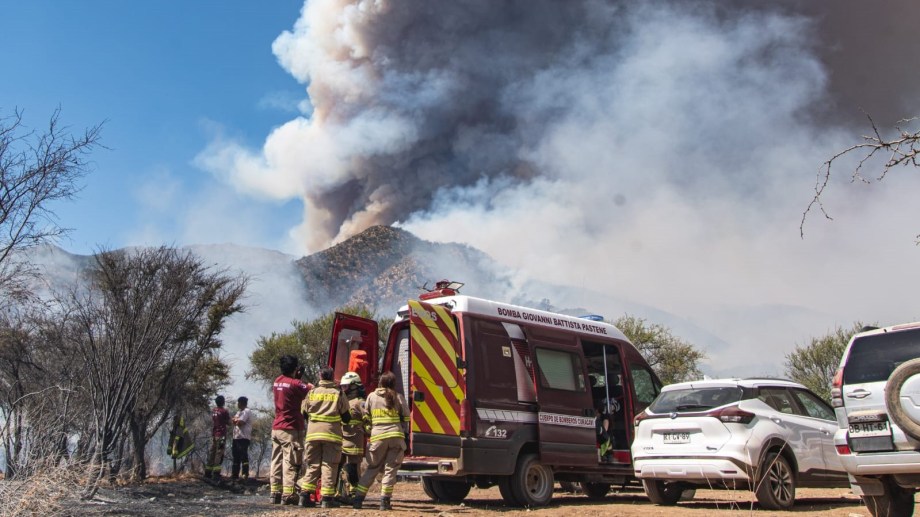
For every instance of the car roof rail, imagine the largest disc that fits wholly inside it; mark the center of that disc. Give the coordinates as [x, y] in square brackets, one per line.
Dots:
[761, 378]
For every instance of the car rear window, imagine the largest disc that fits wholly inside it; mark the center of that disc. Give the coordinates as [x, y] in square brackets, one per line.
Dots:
[873, 358]
[696, 399]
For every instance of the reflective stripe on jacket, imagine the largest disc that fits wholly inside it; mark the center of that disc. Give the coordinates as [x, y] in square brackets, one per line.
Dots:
[324, 407]
[353, 433]
[386, 422]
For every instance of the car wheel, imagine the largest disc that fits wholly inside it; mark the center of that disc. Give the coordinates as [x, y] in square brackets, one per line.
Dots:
[896, 381]
[665, 493]
[895, 501]
[504, 487]
[595, 490]
[776, 483]
[532, 482]
[445, 490]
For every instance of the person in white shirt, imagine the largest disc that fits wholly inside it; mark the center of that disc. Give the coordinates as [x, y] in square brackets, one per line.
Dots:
[242, 433]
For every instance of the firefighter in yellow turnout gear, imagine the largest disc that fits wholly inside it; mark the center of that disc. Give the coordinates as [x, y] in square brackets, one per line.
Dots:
[387, 444]
[325, 408]
[353, 434]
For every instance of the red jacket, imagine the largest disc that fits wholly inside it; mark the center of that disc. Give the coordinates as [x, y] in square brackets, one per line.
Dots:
[289, 394]
[220, 419]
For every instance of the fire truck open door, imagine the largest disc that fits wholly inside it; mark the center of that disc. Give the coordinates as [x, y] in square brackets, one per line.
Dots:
[437, 385]
[354, 348]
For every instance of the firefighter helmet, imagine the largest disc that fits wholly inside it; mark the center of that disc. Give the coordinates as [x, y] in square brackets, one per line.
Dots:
[350, 378]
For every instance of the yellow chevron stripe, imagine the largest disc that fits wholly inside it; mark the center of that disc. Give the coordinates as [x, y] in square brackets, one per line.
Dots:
[438, 398]
[444, 315]
[451, 412]
[440, 340]
[443, 342]
[423, 408]
[428, 350]
[450, 373]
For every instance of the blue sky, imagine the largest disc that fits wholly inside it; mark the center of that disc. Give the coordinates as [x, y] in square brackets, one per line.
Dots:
[165, 77]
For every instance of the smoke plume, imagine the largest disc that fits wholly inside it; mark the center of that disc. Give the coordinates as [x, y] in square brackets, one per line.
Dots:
[660, 148]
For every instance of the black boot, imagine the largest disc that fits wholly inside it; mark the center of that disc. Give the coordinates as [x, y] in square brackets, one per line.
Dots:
[385, 503]
[305, 500]
[329, 502]
[359, 500]
[276, 497]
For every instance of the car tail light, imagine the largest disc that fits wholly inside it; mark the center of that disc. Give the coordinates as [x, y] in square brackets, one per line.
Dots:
[843, 450]
[837, 389]
[639, 418]
[732, 415]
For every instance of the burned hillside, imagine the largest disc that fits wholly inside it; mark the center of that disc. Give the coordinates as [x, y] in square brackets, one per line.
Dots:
[383, 267]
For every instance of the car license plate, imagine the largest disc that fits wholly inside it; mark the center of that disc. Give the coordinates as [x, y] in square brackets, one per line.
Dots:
[676, 437]
[868, 429]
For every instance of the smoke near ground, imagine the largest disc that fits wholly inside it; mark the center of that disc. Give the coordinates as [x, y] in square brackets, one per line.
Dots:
[663, 151]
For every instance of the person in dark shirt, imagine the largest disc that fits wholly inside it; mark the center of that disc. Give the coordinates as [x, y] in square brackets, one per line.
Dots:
[220, 420]
[287, 431]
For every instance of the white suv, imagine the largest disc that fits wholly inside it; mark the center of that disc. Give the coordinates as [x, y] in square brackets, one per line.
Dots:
[765, 435]
[876, 393]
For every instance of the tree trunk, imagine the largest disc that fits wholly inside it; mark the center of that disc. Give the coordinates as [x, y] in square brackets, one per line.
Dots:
[138, 459]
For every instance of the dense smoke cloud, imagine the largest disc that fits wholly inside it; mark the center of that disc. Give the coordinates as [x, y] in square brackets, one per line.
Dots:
[663, 151]
[411, 98]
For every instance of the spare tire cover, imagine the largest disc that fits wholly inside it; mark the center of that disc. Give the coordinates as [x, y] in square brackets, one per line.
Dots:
[902, 397]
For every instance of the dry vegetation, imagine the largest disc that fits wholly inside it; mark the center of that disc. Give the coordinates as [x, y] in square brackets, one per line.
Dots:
[46, 491]
[186, 495]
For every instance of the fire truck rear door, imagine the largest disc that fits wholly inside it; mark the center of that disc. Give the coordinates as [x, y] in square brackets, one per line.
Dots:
[437, 384]
[354, 347]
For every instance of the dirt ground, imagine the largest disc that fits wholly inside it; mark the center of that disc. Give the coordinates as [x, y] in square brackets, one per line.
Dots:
[190, 496]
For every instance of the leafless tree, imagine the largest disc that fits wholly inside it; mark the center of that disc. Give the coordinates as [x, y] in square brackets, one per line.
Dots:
[36, 169]
[41, 402]
[146, 326]
[261, 440]
[888, 153]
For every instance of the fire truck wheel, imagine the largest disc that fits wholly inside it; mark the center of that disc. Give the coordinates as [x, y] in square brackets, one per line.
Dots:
[445, 490]
[504, 487]
[428, 489]
[532, 482]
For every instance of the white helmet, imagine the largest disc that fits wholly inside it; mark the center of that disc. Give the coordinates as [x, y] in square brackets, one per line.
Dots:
[350, 378]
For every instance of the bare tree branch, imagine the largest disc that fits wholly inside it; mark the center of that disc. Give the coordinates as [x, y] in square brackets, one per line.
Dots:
[901, 150]
[36, 169]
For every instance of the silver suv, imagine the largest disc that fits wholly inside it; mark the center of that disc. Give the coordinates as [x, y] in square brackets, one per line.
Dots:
[876, 396]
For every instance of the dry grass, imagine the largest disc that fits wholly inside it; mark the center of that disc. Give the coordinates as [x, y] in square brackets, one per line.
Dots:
[44, 490]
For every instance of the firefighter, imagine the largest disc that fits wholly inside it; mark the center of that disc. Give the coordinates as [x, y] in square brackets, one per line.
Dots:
[326, 408]
[287, 430]
[387, 444]
[353, 434]
[220, 420]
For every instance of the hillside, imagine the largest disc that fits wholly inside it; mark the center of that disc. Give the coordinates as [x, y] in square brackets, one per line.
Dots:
[383, 267]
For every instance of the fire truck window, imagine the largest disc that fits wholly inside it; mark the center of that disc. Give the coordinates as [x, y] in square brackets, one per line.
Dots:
[498, 361]
[560, 370]
[646, 389]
